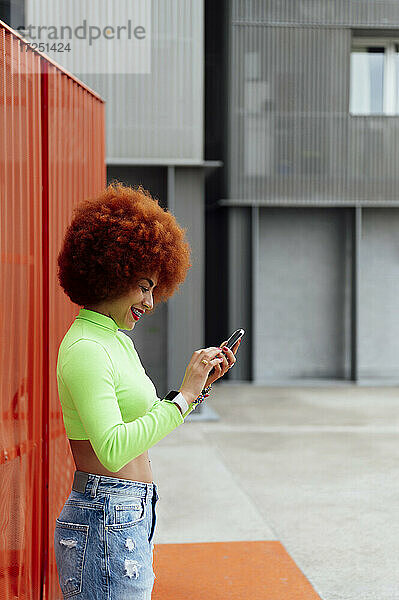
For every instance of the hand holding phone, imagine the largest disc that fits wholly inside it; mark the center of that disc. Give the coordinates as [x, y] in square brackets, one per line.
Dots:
[234, 340]
[194, 377]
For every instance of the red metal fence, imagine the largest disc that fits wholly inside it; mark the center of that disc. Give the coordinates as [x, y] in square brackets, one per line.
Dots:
[52, 154]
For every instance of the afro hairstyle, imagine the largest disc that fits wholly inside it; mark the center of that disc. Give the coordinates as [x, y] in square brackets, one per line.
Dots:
[116, 238]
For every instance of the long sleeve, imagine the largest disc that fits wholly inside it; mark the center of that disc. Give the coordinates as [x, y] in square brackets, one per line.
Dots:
[89, 376]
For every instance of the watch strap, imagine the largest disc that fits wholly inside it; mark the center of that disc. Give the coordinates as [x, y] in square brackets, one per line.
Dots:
[178, 399]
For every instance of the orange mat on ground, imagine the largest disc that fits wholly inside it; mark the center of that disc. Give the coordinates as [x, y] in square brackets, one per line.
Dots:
[228, 571]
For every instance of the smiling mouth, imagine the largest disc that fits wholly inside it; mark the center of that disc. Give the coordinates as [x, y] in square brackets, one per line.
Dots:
[136, 313]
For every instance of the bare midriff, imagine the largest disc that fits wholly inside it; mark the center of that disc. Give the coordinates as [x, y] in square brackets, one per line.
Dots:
[85, 458]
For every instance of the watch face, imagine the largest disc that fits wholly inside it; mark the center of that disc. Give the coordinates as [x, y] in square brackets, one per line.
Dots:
[171, 395]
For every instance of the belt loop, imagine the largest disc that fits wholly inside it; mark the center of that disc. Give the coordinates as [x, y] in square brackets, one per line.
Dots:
[94, 486]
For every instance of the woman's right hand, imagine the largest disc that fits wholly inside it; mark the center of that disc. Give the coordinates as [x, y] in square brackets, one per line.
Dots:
[197, 372]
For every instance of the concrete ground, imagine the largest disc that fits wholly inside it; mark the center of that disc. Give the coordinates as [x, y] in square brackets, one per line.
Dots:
[316, 468]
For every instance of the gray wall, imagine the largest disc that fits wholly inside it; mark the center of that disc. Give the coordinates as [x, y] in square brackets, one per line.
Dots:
[186, 308]
[156, 115]
[302, 295]
[379, 287]
[240, 286]
[160, 115]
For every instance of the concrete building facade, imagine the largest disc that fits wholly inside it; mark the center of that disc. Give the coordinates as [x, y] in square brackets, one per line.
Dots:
[311, 188]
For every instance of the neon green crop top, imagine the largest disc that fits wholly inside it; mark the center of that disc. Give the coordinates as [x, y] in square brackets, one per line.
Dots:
[106, 395]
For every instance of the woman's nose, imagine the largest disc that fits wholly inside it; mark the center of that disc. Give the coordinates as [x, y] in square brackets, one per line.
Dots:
[148, 304]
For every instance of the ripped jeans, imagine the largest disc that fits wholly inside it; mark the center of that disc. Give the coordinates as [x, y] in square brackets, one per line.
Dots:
[103, 539]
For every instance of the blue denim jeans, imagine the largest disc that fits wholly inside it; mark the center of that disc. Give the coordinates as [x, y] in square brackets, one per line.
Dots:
[103, 539]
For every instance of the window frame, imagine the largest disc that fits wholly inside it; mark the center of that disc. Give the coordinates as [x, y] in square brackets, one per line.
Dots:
[390, 85]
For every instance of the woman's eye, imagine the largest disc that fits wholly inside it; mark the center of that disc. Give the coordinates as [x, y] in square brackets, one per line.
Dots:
[145, 289]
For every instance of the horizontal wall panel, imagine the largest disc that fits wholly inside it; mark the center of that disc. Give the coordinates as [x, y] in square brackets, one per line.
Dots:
[292, 137]
[317, 12]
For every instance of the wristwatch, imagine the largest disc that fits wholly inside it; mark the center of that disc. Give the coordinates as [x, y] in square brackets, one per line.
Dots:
[178, 399]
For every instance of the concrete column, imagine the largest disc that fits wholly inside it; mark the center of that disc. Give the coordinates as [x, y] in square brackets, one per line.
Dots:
[186, 309]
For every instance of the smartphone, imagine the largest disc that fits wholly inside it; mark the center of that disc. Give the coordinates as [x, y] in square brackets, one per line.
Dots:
[233, 339]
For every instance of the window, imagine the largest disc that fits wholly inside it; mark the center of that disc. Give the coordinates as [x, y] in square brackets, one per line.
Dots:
[374, 77]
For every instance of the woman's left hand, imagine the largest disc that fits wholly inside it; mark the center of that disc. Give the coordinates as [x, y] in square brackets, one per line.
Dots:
[228, 361]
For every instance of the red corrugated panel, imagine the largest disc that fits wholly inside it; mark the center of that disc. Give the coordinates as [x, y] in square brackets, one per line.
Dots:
[76, 171]
[21, 350]
[52, 154]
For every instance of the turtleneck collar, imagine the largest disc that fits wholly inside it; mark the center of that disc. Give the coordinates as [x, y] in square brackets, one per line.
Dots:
[98, 319]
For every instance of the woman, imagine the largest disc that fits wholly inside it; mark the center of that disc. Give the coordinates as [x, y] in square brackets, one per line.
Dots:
[121, 255]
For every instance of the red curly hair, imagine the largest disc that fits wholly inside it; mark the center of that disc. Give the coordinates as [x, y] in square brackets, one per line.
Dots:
[115, 239]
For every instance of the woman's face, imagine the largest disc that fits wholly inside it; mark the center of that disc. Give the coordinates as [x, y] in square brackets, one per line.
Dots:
[139, 297]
